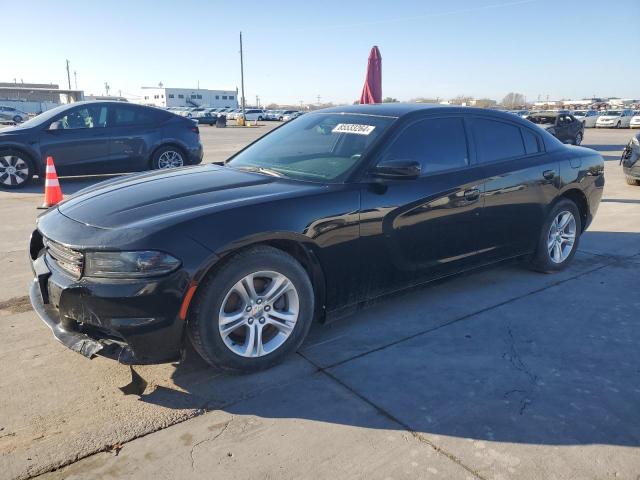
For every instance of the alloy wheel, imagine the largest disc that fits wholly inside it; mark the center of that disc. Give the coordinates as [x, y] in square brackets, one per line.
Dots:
[13, 170]
[578, 139]
[170, 159]
[561, 237]
[258, 314]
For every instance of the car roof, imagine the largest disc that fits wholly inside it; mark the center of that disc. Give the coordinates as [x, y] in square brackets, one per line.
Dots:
[402, 109]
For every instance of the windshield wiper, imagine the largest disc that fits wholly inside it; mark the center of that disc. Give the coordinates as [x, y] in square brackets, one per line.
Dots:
[265, 170]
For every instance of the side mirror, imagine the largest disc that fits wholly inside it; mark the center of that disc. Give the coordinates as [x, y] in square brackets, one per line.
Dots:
[56, 125]
[397, 169]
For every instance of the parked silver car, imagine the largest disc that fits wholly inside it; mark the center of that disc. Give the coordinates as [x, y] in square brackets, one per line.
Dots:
[10, 114]
[587, 117]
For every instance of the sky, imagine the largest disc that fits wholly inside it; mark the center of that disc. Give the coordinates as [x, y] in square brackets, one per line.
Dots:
[298, 50]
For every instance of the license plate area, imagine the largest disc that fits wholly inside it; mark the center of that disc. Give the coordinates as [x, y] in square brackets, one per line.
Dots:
[54, 293]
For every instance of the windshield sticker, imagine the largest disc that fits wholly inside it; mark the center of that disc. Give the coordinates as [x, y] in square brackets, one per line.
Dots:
[353, 128]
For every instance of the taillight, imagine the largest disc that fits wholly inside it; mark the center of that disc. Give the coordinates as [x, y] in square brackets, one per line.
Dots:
[195, 130]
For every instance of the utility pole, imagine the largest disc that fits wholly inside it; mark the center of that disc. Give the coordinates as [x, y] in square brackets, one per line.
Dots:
[75, 77]
[257, 101]
[68, 75]
[242, 74]
[318, 97]
[106, 88]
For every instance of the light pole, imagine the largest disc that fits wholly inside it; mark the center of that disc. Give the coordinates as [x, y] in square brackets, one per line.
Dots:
[68, 75]
[242, 74]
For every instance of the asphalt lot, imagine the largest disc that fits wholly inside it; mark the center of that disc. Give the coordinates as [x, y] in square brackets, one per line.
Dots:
[501, 374]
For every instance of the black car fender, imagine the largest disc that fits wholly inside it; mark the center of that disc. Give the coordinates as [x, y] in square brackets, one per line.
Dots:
[299, 246]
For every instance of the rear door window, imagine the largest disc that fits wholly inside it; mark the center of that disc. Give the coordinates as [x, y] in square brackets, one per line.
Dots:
[497, 140]
[127, 115]
[439, 144]
[530, 141]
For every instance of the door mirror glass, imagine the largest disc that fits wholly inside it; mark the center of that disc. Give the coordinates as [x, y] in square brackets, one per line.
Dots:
[397, 169]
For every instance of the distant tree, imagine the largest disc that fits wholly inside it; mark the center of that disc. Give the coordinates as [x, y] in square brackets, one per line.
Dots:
[485, 103]
[272, 106]
[461, 100]
[425, 100]
[513, 100]
[389, 100]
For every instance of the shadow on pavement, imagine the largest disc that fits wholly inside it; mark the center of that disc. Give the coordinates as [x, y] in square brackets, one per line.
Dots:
[606, 148]
[556, 364]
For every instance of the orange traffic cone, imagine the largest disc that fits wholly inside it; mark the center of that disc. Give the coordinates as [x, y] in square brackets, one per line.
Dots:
[52, 190]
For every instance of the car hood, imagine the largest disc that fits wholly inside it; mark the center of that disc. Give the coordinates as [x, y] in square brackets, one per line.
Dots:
[12, 131]
[166, 197]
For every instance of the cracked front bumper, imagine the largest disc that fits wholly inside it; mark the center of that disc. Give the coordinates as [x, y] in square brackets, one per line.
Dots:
[132, 321]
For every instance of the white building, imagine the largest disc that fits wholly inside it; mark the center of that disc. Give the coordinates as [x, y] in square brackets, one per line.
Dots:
[188, 97]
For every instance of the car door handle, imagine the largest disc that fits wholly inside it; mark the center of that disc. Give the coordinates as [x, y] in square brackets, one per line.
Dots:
[472, 194]
[548, 174]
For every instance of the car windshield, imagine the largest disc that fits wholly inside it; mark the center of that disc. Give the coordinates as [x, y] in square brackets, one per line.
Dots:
[543, 119]
[580, 113]
[318, 147]
[613, 113]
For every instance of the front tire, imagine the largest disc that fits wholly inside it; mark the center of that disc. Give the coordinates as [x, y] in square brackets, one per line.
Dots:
[16, 169]
[253, 311]
[559, 238]
[167, 157]
[632, 181]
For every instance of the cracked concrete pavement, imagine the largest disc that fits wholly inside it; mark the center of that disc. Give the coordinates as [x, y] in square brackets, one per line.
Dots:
[504, 373]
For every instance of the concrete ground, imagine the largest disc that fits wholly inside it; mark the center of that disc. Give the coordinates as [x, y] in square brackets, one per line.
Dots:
[501, 374]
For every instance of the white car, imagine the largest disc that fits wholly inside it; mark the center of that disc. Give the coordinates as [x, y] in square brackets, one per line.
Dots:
[253, 114]
[635, 120]
[291, 116]
[615, 119]
[587, 117]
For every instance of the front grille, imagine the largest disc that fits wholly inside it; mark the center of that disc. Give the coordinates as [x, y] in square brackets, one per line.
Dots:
[69, 260]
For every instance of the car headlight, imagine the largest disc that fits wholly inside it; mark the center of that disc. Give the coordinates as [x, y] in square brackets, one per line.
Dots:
[147, 263]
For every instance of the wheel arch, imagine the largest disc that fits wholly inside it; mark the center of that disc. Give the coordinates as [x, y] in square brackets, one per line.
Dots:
[578, 197]
[298, 246]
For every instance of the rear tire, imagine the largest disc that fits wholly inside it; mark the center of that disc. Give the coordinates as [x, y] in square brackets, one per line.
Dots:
[632, 180]
[224, 302]
[16, 169]
[557, 244]
[168, 157]
[578, 139]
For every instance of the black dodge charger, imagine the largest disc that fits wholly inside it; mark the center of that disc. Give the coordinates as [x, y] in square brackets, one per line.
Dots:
[317, 217]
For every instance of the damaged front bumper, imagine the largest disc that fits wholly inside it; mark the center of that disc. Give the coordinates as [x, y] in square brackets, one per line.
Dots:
[132, 321]
[78, 342]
